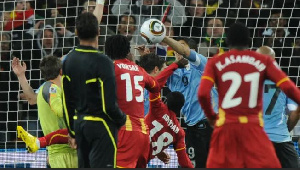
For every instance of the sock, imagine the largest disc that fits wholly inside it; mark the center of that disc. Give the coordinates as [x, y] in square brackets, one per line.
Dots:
[57, 137]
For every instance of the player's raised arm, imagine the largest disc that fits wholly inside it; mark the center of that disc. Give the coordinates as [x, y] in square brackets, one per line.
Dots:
[163, 76]
[177, 46]
[150, 82]
[98, 12]
[19, 69]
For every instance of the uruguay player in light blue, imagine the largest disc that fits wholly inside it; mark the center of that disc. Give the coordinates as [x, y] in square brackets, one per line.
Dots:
[277, 106]
[187, 80]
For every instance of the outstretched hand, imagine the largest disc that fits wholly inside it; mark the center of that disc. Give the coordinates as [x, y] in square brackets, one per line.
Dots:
[18, 67]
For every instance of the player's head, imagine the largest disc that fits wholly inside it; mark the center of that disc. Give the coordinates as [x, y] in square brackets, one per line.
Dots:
[266, 51]
[238, 36]
[175, 101]
[50, 67]
[188, 41]
[117, 47]
[152, 64]
[87, 27]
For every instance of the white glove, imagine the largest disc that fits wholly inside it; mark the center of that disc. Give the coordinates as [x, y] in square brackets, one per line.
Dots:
[100, 2]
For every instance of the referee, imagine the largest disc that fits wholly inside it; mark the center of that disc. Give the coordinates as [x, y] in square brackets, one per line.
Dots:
[89, 98]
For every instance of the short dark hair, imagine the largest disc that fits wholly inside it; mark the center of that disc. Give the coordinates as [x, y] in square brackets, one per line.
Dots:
[149, 61]
[50, 67]
[175, 101]
[87, 26]
[117, 47]
[238, 35]
[189, 41]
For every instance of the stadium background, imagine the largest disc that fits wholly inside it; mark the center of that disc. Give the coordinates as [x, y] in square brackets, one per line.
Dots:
[272, 23]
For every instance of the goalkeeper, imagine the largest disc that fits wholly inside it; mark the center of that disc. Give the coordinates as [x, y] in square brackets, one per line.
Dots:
[50, 110]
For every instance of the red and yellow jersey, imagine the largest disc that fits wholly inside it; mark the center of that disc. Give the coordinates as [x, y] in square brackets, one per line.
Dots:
[164, 126]
[130, 82]
[239, 77]
[18, 18]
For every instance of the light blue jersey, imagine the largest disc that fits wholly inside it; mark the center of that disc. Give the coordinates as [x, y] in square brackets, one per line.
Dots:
[146, 102]
[186, 81]
[276, 105]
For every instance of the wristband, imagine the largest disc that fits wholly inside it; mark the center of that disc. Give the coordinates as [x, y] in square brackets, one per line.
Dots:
[100, 2]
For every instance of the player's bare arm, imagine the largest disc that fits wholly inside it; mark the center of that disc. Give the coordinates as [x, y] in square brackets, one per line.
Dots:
[293, 119]
[98, 12]
[19, 69]
[177, 46]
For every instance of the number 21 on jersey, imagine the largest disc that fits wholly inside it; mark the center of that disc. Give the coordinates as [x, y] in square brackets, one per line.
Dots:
[236, 81]
[129, 90]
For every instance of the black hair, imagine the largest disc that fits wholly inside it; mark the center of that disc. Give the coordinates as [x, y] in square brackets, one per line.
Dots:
[126, 14]
[189, 41]
[87, 26]
[175, 101]
[50, 67]
[117, 47]
[238, 36]
[149, 61]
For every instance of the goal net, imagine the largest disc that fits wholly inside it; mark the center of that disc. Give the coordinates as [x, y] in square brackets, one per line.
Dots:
[33, 29]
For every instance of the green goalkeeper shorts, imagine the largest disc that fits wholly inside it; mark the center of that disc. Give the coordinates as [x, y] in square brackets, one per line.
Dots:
[64, 160]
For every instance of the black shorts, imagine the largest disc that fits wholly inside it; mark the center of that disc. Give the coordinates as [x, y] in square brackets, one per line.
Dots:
[287, 154]
[96, 142]
[197, 143]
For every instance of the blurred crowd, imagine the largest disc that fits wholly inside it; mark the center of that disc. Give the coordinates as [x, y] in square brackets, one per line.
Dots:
[32, 29]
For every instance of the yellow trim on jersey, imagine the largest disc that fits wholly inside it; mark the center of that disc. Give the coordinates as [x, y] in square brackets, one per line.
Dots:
[153, 84]
[92, 118]
[91, 81]
[260, 118]
[64, 103]
[66, 76]
[120, 166]
[128, 124]
[243, 119]
[86, 51]
[179, 149]
[221, 119]
[208, 78]
[56, 136]
[281, 81]
[144, 128]
[103, 99]
[152, 100]
[102, 96]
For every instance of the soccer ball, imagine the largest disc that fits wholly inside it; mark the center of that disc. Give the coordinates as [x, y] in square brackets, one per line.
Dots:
[153, 31]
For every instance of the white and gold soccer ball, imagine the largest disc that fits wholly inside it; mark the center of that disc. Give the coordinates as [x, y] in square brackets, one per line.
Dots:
[153, 31]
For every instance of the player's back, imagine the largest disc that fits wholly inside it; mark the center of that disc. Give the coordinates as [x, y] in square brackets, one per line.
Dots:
[131, 81]
[85, 67]
[239, 78]
[164, 129]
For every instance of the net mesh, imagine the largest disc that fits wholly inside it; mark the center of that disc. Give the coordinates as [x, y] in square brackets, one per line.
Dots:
[32, 29]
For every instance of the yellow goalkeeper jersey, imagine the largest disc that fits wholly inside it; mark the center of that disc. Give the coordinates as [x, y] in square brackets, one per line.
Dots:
[50, 111]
